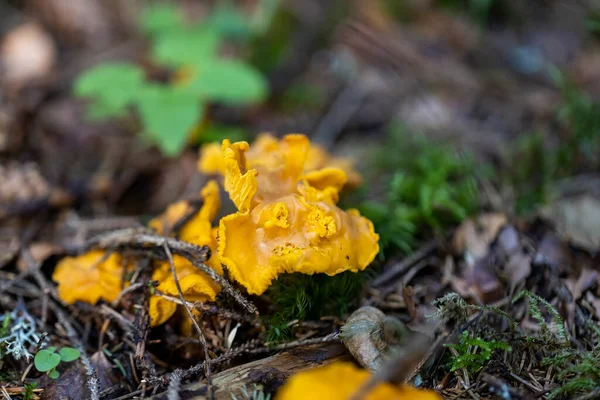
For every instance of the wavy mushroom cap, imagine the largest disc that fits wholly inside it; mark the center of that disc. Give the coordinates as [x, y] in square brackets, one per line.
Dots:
[294, 235]
[287, 221]
[90, 277]
[195, 285]
[340, 380]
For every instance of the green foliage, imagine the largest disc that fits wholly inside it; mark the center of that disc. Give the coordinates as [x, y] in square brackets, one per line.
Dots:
[531, 169]
[46, 360]
[169, 111]
[474, 352]
[579, 372]
[29, 388]
[430, 186]
[114, 87]
[256, 394]
[580, 115]
[534, 309]
[479, 10]
[300, 297]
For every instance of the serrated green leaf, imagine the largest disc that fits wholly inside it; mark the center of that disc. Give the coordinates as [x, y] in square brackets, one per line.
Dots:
[68, 354]
[185, 47]
[113, 86]
[228, 81]
[168, 116]
[46, 360]
[158, 18]
[53, 374]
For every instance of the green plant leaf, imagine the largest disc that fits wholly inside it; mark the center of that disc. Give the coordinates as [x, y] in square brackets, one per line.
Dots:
[112, 86]
[53, 374]
[217, 132]
[226, 20]
[186, 47]
[228, 81]
[158, 18]
[68, 354]
[45, 360]
[168, 115]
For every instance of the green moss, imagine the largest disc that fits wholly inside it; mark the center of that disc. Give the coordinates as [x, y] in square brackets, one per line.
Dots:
[308, 297]
[428, 186]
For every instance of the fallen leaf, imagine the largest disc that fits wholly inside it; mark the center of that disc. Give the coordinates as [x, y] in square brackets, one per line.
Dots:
[577, 220]
[474, 236]
[369, 336]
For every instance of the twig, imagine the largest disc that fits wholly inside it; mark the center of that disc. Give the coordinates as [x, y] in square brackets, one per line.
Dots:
[145, 239]
[196, 325]
[332, 337]
[406, 263]
[211, 309]
[174, 385]
[397, 368]
[126, 325]
[131, 288]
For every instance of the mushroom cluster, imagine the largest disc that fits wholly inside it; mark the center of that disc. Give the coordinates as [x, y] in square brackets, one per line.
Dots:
[287, 220]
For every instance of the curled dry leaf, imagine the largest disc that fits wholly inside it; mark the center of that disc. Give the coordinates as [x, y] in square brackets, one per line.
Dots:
[369, 335]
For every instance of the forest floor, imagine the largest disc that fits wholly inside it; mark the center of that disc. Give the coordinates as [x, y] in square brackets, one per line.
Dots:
[476, 130]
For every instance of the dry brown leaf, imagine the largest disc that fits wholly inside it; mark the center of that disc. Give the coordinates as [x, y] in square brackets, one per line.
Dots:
[474, 236]
[577, 220]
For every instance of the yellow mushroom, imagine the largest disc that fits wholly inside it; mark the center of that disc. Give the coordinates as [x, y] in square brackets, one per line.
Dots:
[287, 220]
[195, 285]
[294, 235]
[340, 380]
[90, 277]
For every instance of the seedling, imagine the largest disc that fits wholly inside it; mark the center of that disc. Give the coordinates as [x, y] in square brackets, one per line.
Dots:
[169, 111]
[46, 360]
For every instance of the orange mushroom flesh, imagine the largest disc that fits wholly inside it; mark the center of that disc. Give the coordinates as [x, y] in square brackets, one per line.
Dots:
[287, 220]
[90, 277]
[340, 381]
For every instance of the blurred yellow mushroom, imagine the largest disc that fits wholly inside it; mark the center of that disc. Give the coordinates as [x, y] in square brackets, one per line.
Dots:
[341, 380]
[269, 152]
[287, 220]
[90, 277]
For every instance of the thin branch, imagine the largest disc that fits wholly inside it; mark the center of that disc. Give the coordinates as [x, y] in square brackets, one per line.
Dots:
[196, 325]
[145, 239]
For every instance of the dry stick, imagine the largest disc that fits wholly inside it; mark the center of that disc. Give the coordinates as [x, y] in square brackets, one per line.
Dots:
[146, 239]
[196, 325]
[406, 263]
[243, 349]
[332, 337]
[206, 308]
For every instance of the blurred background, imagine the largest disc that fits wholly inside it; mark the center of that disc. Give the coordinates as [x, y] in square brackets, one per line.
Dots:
[104, 104]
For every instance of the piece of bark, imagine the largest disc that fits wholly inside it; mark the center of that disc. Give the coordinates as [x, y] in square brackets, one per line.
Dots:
[270, 372]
